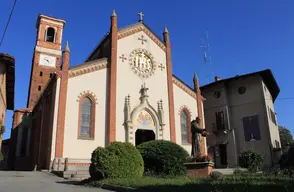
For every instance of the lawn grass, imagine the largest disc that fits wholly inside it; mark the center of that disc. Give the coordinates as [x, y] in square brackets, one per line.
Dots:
[250, 183]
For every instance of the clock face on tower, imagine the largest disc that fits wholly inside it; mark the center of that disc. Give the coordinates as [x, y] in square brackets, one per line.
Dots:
[142, 63]
[48, 61]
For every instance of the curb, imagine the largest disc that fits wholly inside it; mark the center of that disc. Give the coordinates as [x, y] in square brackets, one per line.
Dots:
[116, 188]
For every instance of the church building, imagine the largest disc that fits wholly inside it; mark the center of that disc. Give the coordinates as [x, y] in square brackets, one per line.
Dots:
[124, 91]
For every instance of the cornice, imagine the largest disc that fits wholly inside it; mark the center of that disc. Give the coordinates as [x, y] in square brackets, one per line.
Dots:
[184, 88]
[88, 67]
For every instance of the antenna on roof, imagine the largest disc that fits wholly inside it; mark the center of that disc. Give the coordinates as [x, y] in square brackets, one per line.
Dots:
[206, 48]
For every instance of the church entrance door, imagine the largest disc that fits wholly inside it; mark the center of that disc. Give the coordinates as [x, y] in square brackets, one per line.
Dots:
[144, 136]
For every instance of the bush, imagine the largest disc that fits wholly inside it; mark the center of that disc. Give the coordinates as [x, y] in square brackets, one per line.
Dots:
[163, 157]
[117, 160]
[289, 171]
[216, 175]
[287, 159]
[1, 156]
[251, 160]
[2, 127]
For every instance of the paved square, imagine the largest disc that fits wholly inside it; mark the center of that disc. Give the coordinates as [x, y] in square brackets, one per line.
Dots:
[14, 181]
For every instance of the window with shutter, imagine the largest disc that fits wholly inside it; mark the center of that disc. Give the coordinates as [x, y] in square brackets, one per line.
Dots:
[220, 121]
[251, 128]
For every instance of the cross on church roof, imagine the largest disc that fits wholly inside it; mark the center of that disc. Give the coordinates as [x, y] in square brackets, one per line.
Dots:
[141, 16]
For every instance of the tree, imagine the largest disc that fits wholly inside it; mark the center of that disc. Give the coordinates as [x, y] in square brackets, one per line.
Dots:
[285, 137]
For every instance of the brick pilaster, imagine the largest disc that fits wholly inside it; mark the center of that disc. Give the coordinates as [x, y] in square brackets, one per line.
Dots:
[62, 103]
[112, 71]
[170, 86]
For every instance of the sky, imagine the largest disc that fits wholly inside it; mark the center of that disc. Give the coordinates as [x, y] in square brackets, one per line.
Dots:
[244, 37]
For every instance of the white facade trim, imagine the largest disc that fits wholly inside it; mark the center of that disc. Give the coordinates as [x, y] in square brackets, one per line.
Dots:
[53, 22]
[48, 51]
[53, 143]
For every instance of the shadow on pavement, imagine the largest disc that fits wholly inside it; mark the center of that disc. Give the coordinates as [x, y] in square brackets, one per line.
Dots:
[68, 182]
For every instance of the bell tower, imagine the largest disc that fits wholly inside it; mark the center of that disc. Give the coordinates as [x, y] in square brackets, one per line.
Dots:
[47, 54]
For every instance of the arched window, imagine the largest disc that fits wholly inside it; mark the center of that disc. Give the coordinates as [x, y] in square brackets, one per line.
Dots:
[184, 127]
[50, 35]
[86, 118]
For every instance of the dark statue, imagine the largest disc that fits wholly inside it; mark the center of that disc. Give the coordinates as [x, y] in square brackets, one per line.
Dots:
[197, 133]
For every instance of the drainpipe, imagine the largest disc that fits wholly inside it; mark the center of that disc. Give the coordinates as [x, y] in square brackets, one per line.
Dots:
[233, 135]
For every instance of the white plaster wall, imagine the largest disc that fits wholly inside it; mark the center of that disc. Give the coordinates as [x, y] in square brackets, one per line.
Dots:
[2, 92]
[249, 104]
[183, 99]
[130, 83]
[94, 82]
[273, 128]
[55, 119]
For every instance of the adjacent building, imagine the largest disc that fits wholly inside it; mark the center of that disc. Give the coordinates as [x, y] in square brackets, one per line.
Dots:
[239, 114]
[7, 78]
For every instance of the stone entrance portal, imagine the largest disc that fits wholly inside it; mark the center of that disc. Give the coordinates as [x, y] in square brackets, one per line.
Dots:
[144, 136]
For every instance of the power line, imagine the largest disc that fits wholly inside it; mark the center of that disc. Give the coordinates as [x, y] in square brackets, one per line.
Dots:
[8, 22]
[285, 98]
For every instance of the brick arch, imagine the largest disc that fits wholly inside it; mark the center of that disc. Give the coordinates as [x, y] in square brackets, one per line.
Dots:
[89, 94]
[188, 112]
[93, 98]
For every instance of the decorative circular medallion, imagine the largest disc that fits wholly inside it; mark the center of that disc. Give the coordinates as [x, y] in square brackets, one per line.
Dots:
[142, 63]
[242, 90]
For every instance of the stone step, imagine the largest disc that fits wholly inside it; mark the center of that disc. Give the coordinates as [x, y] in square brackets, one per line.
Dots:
[76, 174]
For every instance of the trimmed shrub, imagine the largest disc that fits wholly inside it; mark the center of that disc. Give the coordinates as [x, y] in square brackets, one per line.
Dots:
[216, 175]
[251, 160]
[163, 157]
[117, 160]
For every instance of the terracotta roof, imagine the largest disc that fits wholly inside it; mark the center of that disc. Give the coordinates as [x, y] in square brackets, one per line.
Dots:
[9, 61]
[266, 75]
[98, 46]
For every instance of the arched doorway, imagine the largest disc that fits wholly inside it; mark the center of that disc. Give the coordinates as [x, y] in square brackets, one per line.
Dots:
[144, 136]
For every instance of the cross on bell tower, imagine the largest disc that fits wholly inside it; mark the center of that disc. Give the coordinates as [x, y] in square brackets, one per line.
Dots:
[141, 16]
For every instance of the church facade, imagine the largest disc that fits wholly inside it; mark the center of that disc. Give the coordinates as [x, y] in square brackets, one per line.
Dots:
[124, 91]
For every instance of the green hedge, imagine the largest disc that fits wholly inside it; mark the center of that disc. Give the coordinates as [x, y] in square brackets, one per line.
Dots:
[163, 157]
[253, 183]
[117, 160]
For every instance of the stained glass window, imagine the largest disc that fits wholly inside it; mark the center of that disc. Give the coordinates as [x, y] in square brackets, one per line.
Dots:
[184, 127]
[85, 126]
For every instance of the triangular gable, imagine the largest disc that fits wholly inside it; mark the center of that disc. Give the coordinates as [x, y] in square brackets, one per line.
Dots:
[135, 28]
[103, 49]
